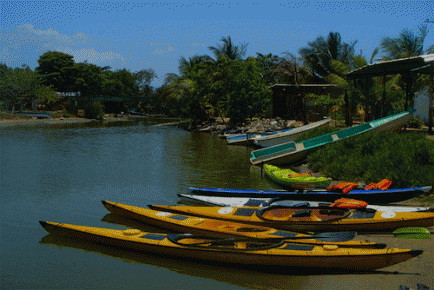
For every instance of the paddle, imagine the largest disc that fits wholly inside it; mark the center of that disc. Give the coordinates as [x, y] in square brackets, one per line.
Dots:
[326, 237]
[416, 233]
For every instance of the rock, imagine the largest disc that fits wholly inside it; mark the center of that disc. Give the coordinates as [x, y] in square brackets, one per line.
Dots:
[254, 126]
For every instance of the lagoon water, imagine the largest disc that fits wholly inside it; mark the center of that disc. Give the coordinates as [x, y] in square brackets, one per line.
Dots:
[61, 173]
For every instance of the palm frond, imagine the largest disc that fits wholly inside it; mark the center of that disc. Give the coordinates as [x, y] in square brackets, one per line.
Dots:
[337, 80]
[340, 67]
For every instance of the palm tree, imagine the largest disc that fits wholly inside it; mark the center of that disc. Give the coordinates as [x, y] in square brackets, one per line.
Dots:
[407, 44]
[183, 87]
[319, 56]
[268, 64]
[228, 49]
[187, 67]
[320, 53]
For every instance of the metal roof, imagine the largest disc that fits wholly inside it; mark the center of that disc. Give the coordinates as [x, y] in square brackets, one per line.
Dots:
[419, 64]
[304, 85]
[318, 89]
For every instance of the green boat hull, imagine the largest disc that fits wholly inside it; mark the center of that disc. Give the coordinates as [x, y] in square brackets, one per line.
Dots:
[283, 178]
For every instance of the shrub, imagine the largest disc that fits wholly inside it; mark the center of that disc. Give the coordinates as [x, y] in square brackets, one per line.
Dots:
[66, 114]
[94, 111]
[405, 159]
[415, 123]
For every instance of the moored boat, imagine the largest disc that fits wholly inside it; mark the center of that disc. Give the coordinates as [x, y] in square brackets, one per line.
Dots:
[309, 219]
[371, 196]
[218, 228]
[288, 178]
[292, 152]
[288, 136]
[261, 202]
[249, 138]
[275, 253]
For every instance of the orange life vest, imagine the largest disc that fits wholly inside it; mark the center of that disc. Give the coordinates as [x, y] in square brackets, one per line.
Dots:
[349, 203]
[384, 184]
[344, 187]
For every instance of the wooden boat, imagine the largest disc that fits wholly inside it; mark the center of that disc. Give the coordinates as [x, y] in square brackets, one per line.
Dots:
[309, 219]
[269, 253]
[291, 179]
[288, 136]
[218, 228]
[292, 152]
[372, 196]
[262, 202]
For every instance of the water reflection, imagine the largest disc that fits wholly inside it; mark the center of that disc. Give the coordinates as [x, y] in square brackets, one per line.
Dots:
[243, 276]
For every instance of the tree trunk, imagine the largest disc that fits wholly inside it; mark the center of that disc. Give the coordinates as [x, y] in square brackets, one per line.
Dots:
[348, 120]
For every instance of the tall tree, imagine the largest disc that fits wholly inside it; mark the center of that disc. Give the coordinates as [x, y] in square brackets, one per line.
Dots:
[184, 86]
[57, 70]
[146, 93]
[228, 49]
[319, 53]
[267, 64]
[406, 44]
[248, 95]
[89, 79]
[234, 88]
[18, 86]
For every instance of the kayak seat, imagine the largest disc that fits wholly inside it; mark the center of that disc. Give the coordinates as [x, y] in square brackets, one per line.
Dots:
[306, 215]
[275, 214]
[302, 213]
[289, 203]
[251, 230]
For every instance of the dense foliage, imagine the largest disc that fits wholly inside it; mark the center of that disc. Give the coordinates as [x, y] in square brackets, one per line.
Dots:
[94, 111]
[19, 86]
[226, 84]
[407, 159]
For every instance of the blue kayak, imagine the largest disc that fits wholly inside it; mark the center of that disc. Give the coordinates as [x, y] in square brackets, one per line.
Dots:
[376, 196]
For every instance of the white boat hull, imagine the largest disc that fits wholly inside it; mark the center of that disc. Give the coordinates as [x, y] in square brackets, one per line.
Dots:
[246, 201]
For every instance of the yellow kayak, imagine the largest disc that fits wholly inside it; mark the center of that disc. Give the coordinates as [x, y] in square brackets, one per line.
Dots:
[218, 228]
[291, 179]
[310, 219]
[254, 253]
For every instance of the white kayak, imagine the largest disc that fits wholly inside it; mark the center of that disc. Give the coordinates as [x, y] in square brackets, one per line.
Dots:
[250, 201]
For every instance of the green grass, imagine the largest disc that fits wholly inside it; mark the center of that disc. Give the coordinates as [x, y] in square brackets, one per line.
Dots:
[405, 159]
[425, 199]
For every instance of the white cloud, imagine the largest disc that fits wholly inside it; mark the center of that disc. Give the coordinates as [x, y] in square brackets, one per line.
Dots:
[93, 56]
[168, 49]
[197, 44]
[27, 41]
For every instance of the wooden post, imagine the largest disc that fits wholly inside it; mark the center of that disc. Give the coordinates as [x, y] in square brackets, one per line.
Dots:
[384, 94]
[347, 109]
[408, 86]
[430, 113]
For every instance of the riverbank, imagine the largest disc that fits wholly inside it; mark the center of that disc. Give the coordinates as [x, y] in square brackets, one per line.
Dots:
[11, 120]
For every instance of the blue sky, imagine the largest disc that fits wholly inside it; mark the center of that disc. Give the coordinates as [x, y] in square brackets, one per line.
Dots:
[141, 35]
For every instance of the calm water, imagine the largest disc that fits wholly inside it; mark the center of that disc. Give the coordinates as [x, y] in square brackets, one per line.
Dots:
[61, 174]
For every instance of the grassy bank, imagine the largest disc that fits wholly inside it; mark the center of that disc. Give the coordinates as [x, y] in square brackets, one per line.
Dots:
[407, 159]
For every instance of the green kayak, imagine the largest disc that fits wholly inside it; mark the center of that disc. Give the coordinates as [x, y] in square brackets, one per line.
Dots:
[292, 179]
